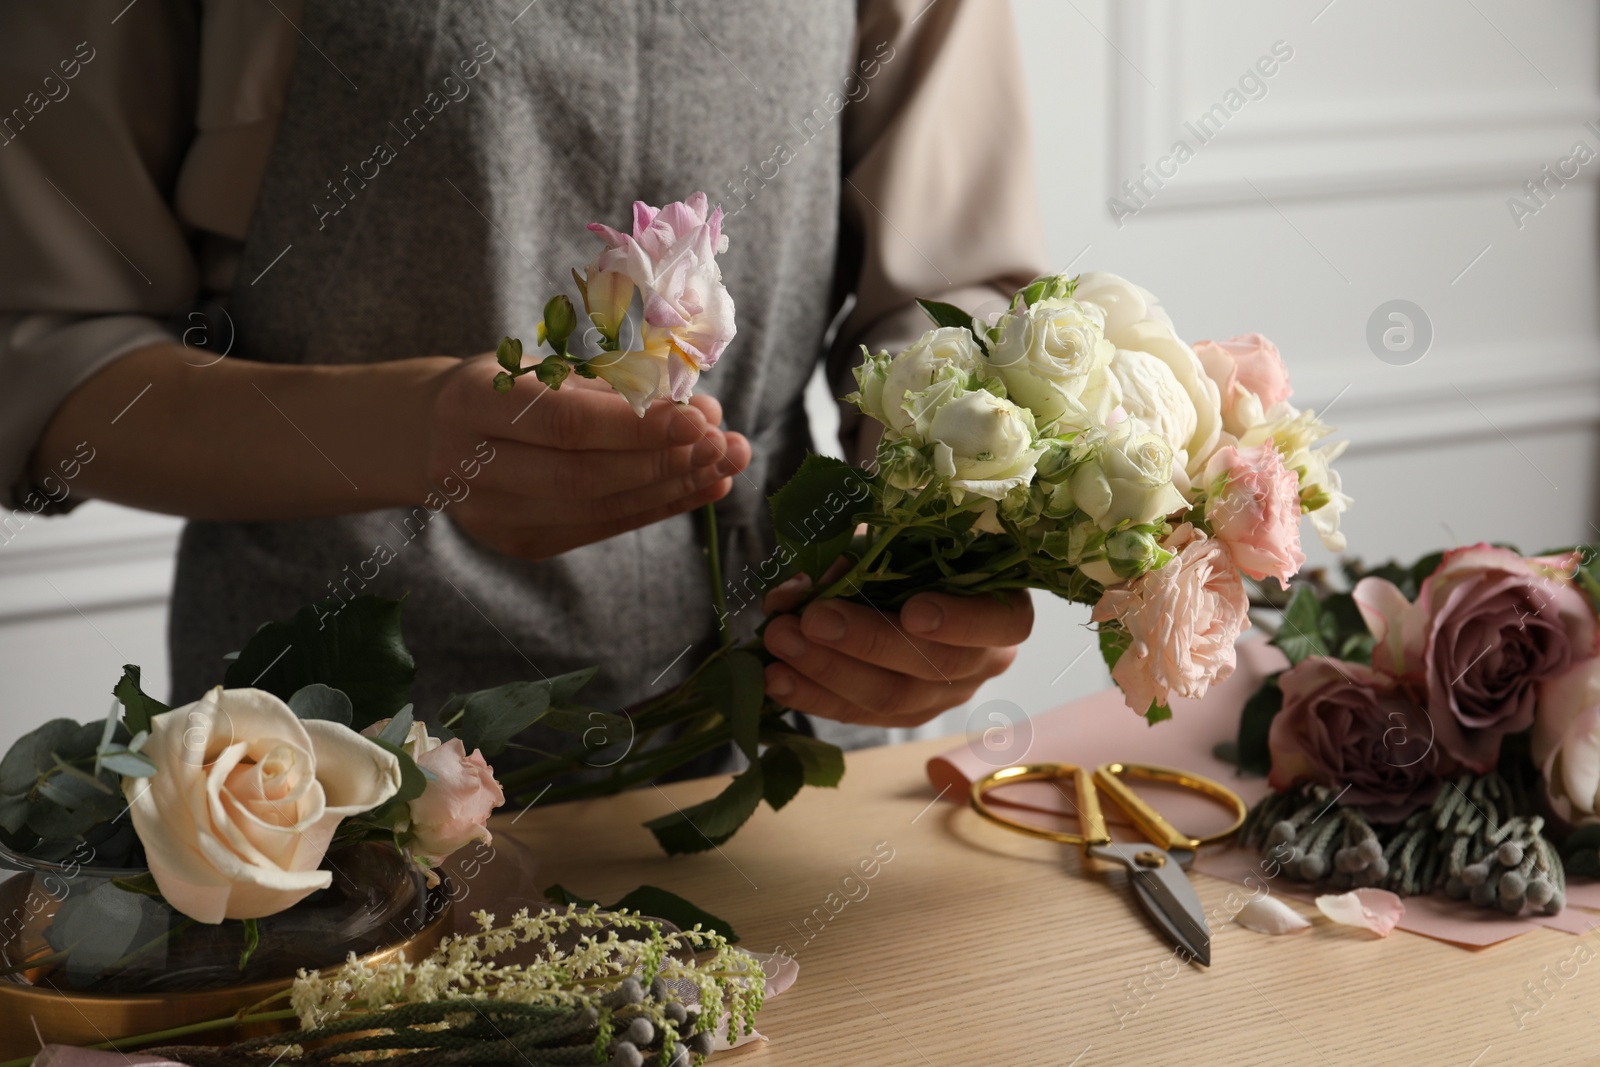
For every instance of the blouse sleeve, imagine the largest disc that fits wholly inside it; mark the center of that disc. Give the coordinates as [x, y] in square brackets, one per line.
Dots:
[939, 199]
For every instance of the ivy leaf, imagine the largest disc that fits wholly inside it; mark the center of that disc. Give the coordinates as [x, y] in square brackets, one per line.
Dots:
[318, 701]
[737, 684]
[138, 708]
[814, 514]
[1254, 722]
[946, 314]
[709, 824]
[652, 902]
[354, 646]
[1302, 634]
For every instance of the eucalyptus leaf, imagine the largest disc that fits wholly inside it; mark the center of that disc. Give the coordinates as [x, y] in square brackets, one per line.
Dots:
[398, 728]
[31, 755]
[491, 717]
[318, 701]
[129, 764]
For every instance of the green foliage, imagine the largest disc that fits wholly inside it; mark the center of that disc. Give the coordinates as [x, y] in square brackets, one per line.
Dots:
[490, 718]
[782, 775]
[1580, 852]
[138, 709]
[1307, 630]
[1157, 713]
[709, 824]
[1114, 641]
[1254, 723]
[652, 902]
[318, 701]
[509, 354]
[736, 684]
[946, 315]
[354, 646]
[814, 515]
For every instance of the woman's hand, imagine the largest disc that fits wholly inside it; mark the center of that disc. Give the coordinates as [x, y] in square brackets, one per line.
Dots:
[560, 468]
[854, 663]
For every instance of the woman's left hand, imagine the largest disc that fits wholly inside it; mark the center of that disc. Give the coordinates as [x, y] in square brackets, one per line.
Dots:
[857, 664]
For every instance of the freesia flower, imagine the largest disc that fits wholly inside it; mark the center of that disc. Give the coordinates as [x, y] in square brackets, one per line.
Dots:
[246, 798]
[671, 257]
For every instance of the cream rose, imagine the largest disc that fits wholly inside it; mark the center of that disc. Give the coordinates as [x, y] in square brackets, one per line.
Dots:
[245, 798]
[1054, 360]
[1181, 619]
[982, 444]
[1566, 742]
[1152, 396]
[895, 389]
[1129, 480]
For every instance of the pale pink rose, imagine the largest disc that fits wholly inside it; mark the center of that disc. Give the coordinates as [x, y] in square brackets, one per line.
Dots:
[1488, 629]
[1183, 620]
[671, 257]
[452, 810]
[1253, 506]
[1250, 375]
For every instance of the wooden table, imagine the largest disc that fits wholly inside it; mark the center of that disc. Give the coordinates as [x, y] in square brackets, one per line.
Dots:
[976, 946]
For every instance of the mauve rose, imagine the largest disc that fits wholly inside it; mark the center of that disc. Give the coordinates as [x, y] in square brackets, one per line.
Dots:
[1487, 629]
[1346, 725]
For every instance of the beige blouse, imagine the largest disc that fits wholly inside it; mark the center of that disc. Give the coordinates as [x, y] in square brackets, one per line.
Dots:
[134, 137]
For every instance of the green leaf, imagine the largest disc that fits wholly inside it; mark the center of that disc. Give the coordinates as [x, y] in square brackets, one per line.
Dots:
[1114, 641]
[782, 775]
[814, 514]
[1254, 723]
[491, 717]
[564, 687]
[13, 813]
[318, 701]
[1302, 634]
[946, 314]
[509, 353]
[709, 824]
[652, 902]
[737, 684]
[412, 778]
[398, 727]
[129, 764]
[1157, 713]
[354, 646]
[33, 754]
[822, 763]
[657, 903]
[138, 709]
[1580, 852]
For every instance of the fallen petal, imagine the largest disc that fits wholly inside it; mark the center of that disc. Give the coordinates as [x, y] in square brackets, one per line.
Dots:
[1269, 915]
[1376, 909]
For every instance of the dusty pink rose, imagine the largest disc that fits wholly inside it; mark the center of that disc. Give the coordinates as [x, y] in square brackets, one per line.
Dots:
[1253, 506]
[1566, 741]
[1182, 618]
[1249, 374]
[1347, 725]
[672, 257]
[1488, 628]
[454, 808]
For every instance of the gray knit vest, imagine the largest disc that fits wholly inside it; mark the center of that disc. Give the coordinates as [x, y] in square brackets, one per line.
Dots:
[433, 171]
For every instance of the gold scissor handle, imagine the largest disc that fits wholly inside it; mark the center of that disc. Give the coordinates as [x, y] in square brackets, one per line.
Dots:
[1090, 819]
[1156, 829]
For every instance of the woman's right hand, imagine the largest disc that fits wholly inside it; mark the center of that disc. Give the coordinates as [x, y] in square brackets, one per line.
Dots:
[554, 469]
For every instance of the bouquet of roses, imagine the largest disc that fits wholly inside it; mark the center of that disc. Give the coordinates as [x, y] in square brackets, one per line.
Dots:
[1073, 443]
[1449, 714]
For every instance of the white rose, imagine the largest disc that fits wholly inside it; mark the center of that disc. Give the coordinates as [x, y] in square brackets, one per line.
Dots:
[982, 444]
[1566, 741]
[1123, 302]
[1152, 396]
[1128, 481]
[894, 389]
[1053, 358]
[245, 798]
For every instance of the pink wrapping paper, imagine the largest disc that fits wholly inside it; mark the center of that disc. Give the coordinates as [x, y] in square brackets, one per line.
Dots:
[1100, 729]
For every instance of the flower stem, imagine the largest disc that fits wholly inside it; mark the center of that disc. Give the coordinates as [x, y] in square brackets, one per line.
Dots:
[178, 1031]
[719, 596]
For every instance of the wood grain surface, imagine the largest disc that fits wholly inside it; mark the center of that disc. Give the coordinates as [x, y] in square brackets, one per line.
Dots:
[971, 945]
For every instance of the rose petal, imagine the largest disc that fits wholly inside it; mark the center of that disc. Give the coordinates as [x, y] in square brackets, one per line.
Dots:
[1376, 909]
[1269, 915]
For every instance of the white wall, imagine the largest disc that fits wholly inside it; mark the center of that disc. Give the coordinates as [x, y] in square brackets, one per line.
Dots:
[1376, 166]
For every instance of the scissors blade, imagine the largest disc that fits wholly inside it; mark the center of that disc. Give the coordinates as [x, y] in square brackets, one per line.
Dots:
[1165, 894]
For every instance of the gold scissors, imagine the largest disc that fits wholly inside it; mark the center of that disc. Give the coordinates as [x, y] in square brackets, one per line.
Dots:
[1155, 870]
